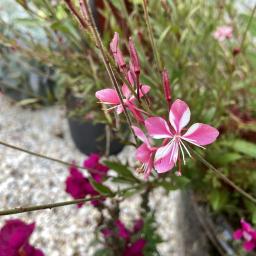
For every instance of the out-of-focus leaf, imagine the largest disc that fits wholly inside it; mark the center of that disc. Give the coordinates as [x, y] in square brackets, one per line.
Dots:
[175, 183]
[102, 189]
[26, 102]
[122, 170]
[218, 199]
[242, 146]
[226, 158]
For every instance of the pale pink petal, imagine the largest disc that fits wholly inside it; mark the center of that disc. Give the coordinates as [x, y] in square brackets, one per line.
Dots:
[201, 134]
[144, 90]
[166, 157]
[237, 235]
[108, 96]
[143, 153]
[140, 134]
[249, 245]
[157, 128]
[179, 115]
[119, 109]
[149, 168]
[126, 91]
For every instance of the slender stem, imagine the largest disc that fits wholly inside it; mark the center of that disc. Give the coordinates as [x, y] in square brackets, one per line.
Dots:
[75, 13]
[99, 43]
[224, 178]
[247, 27]
[46, 206]
[151, 37]
[43, 156]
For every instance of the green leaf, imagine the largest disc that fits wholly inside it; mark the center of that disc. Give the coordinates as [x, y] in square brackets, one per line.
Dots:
[102, 189]
[226, 158]
[121, 170]
[218, 199]
[175, 183]
[242, 146]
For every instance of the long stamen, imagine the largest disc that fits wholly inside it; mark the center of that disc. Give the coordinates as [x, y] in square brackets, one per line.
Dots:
[185, 148]
[192, 142]
[182, 153]
[108, 109]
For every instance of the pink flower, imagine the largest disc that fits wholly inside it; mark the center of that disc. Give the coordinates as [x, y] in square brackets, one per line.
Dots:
[223, 32]
[14, 239]
[122, 230]
[198, 134]
[110, 97]
[145, 152]
[135, 248]
[79, 186]
[97, 170]
[248, 234]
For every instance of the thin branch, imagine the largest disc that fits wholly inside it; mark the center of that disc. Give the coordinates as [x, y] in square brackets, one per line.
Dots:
[151, 37]
[44, 156]
[224, 178]
[247, 27]
[46, 206]
[92, 26]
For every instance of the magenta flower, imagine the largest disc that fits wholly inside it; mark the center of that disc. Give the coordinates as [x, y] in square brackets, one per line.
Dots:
[248, 234]
[122, 230]
[110, 97]
[79, 186]
[145, 152]
[135, 248]
[223, 32]
[138, 225]
[14, 239]
[97, 170]
[198, 134]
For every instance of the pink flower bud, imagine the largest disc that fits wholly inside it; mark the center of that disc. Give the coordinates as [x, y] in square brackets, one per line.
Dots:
[134, 57]
[117, 54]
[167, 86]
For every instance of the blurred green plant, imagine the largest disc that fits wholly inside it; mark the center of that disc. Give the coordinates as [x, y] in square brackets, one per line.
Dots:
[216, 79]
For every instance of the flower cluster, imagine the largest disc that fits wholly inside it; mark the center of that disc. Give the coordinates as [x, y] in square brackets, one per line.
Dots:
[172, 132]
[78, 186]
[246, 233]
[132, 74]
[223, 32]
[14, 239]
[131, 247]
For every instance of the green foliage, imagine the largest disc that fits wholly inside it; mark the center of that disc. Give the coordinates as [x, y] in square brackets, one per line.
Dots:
[102, 189]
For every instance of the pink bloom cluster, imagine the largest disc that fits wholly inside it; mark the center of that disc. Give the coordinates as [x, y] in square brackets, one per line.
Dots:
[78, 186]
[110, 96]
[173, 134]
[173, 146]
[132, 248]
[14, 239]
[246, 233]
[223, 32]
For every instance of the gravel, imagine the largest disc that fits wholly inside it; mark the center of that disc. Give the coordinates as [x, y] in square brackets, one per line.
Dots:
[27, 180]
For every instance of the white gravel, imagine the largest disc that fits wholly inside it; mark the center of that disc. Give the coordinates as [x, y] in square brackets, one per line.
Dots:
[27, 180]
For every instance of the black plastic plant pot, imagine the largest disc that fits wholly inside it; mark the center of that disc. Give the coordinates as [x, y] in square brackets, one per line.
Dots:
[90, 138]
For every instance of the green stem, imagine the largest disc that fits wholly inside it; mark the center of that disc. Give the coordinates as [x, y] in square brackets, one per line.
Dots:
[151, 37]
[247, 27]
[224, 178]
[43, 156]
[99, 44]
[45, 206]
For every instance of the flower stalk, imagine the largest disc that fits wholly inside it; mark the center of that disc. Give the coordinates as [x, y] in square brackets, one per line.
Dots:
[87, 14]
